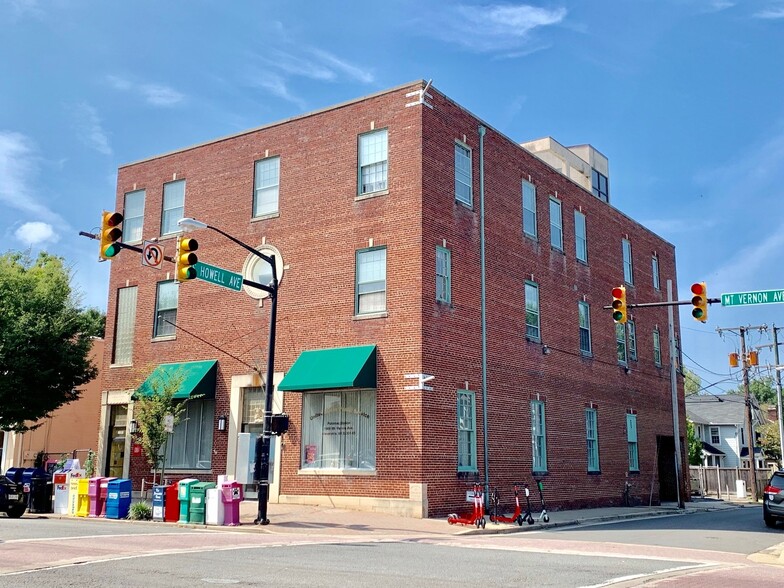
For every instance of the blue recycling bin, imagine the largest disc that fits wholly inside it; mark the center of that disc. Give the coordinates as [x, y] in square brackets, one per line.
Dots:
[38, 487]
[159, 502]
[118, 499]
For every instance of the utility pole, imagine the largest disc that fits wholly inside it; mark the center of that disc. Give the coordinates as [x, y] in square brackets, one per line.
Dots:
[778, 391]
[747, 396]
[674, 395]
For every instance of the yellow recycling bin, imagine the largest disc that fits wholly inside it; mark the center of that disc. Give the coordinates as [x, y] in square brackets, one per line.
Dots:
[83, 498]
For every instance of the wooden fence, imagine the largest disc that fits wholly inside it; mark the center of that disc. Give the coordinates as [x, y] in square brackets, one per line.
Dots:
[722, 482]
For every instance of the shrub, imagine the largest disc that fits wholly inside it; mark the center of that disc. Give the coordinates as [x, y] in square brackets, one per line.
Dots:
[140, 511]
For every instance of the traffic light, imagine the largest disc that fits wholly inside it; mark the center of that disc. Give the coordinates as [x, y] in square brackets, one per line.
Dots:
[185, 259]
[699, 301]
[619, 304]
[110, 234]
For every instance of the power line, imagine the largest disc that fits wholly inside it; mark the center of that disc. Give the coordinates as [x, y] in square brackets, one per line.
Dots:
[246, 364]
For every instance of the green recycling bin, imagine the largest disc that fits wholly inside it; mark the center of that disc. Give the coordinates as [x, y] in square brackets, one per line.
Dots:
[199, 501]
[184, 494]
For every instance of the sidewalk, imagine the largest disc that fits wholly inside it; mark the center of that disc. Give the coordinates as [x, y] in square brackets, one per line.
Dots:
[290, 518]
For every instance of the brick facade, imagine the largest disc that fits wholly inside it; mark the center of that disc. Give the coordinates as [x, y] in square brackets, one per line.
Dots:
[320, 225]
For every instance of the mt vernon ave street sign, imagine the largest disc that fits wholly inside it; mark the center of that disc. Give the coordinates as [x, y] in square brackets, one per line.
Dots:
[744, 298]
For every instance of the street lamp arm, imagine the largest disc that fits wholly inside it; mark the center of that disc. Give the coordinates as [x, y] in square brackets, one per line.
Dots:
[191, 223]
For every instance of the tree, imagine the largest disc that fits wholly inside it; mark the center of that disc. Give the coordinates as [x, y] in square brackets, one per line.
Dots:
[44, 343]
[762, 388]
[692, 382]
[770, 440]
[94, 322]
[695, 444]
[150, 411]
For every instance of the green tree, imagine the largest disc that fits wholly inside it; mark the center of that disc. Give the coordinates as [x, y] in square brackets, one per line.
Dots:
[150, 411]
[44, 348]
[770, 440]
[695, 444]
[762, 388]
[93, 322]
[692, 382]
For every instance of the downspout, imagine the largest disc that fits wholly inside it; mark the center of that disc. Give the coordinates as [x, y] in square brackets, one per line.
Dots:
[483, 304]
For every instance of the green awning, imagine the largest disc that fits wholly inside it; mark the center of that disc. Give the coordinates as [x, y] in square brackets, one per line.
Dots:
[325, 369]
[198, 379]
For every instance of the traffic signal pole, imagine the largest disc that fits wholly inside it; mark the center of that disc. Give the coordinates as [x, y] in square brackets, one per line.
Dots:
[749, 427]
[674, 395]
[778, 392]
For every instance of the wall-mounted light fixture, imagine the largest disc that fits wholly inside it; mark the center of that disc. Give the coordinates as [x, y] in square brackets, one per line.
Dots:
[545, 350]
[133, 427]
[222, 423]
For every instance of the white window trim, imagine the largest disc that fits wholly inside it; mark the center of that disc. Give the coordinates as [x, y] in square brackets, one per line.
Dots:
[464, 151]
[560, 245]
[628, 267]
[446, 298]
[538, 418]
[581, 222]
[471, 467]
[537, 312]
[533, 234]
[594, 421]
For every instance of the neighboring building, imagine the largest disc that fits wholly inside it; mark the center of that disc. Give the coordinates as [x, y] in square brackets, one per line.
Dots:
[720, 423]
[373, 209]
[72, 429]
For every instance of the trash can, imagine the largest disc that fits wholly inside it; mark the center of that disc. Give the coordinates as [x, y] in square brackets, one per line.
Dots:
[159, 502]
[118, 498]
[38, 488]
[231, 496]
[214, 507]
[740, 488]
[184, 494]
[198, 501]
[171, 511]
[61, 480]
[103, 493]
[15, 474]
[83, 497]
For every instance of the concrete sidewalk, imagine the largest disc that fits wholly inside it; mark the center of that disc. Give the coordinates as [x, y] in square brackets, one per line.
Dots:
[290, 518]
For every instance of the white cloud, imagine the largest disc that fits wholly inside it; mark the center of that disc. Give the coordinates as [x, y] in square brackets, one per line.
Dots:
[773, 13]
[496, 27]
[17, 164]
[154, 94]
[276, 85]
[88, 126]
[25, 7]
[35, 233]
[352, 71]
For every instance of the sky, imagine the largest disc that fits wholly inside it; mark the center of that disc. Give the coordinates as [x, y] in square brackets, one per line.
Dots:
[685, 98]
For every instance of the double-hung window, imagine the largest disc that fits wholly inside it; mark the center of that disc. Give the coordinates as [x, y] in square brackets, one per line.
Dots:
[466, 431]
[599, 186]
[584, 312]
[714, 434]
[373, 162]
[462, 174]
[538, 437]
[656, 347]
[166, 309]
[529, 209]
[592, 440]
[443, 275]
[133, 216]
[173, 206]
[371, 281]
[580, 237]
[631, 330]
[532, 330]
[620, 339]
[655, 272]
[125, 320]
[190, 446]
[556, 224]
[266, 186]
[628, 274]
[631, 439]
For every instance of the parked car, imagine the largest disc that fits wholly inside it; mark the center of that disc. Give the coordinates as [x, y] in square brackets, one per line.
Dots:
[13, 501]
[773, 499]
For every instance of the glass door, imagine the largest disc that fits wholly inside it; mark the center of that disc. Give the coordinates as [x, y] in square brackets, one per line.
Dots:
[253, 423]
[118, 421]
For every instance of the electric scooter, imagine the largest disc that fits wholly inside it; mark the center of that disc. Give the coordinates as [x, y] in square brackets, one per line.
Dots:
[477, 517]
[543, 516]
[517, 517]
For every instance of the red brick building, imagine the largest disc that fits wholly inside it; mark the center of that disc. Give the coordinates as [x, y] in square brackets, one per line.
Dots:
[377, 208]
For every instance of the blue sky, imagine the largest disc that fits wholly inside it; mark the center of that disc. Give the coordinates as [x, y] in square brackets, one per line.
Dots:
[685, 98]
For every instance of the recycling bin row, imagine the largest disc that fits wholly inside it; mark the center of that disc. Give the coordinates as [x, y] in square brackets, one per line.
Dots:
[199, 503]
[78, 496]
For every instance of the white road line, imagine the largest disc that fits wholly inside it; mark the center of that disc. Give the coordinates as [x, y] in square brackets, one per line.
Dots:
[631, 577]
[45, 539]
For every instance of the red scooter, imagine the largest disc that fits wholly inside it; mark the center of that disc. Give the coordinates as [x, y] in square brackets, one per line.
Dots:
[518, 516]
[477, 517]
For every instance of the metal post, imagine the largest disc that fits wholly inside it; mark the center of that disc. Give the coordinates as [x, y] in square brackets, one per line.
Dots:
[778, 393]
[262, 457]
[484, 308]
[674, 393]
[749, 422]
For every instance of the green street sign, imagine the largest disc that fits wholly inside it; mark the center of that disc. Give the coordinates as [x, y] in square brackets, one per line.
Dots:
[218, 276]
[746, 298]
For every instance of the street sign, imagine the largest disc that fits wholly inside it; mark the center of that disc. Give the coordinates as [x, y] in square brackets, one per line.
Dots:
[746, 298]
[152, 254]
[219, 276]
[168, 423]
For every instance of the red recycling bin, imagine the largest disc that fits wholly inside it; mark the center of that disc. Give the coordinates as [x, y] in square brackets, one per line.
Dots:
[231, 496]
[93, 494]
[171, 509]
[102, 494]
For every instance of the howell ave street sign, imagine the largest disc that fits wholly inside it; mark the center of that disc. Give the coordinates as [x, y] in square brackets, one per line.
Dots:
[218, 276]
[759, 297]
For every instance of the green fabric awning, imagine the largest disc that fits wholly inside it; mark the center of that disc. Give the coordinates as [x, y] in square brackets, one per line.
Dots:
[198, 379]
[340, 367]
